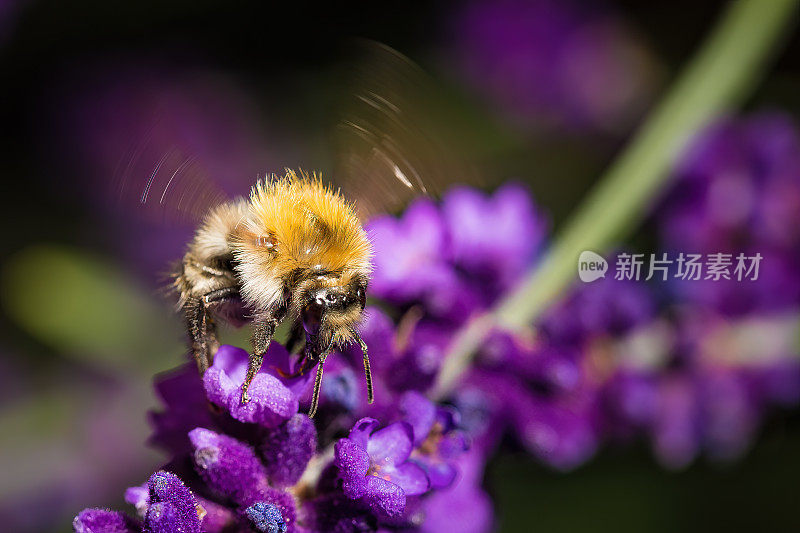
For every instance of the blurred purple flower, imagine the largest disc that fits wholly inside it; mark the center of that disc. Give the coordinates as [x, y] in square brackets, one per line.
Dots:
[437, 442]
[463, 506]
[409, 264]
[737, 191]
[606, 307]
[494, 238]
[451, 261]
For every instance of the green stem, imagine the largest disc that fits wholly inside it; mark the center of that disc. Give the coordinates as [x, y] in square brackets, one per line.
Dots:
[719, 77]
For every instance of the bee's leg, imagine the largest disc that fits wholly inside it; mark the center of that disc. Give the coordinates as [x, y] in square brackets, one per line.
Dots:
[197, 320]
[202, 329]
[263, 330]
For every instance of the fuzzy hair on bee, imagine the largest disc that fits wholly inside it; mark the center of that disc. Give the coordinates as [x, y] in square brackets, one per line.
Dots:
[295, 249]
[299, 229]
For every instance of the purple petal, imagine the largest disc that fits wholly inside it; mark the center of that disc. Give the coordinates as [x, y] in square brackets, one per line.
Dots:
[233, 361]
[167, 488]
[229, 467]
[441, 475]
[270, 402]
[362, 430]
[103, 521]
[384, 498]
[353, 463]
[217, 519]
[186, 407]
[278, 362]
[162, 517]
[139, 497]
[409, 477]
[409, 259]
[466, 510]
[219, 386]
[287, 449]
[419, 412]
[452, 445]
[503, 249]
[391, 445]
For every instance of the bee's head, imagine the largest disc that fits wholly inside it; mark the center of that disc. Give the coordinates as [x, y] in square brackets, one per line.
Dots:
[331, 306]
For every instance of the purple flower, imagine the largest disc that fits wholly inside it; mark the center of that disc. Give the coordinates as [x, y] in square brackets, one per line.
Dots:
[462, 507]
[450, 261]
[167, 506]
[500, 251]
[437, 442]
[271, 401]
[374, 466]
[606, 307]
[173, 507]
[233, 472]
[104, 521]
[737, 191]
[409, 264]
[286, 450]
[609, 362]
[186, 407]
[229, 467]
[560, 430]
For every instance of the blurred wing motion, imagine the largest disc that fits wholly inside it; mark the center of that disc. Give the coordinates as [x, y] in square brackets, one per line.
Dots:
[393, 141]
[167, 185]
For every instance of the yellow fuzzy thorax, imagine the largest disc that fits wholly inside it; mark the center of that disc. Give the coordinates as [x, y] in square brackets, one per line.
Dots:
[301, 223]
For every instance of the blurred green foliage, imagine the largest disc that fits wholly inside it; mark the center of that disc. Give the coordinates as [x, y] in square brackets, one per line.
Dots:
[82, 306]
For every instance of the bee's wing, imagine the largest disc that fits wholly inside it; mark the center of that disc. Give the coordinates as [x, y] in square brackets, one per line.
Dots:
[393, 141]
[168, 185]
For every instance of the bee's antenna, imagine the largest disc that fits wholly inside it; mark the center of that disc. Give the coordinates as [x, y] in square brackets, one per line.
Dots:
[367, 372]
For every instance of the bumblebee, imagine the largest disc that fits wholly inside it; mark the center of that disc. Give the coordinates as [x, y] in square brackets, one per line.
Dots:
[295, 249]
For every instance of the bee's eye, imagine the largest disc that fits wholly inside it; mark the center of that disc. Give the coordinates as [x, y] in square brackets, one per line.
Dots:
[331, 298]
